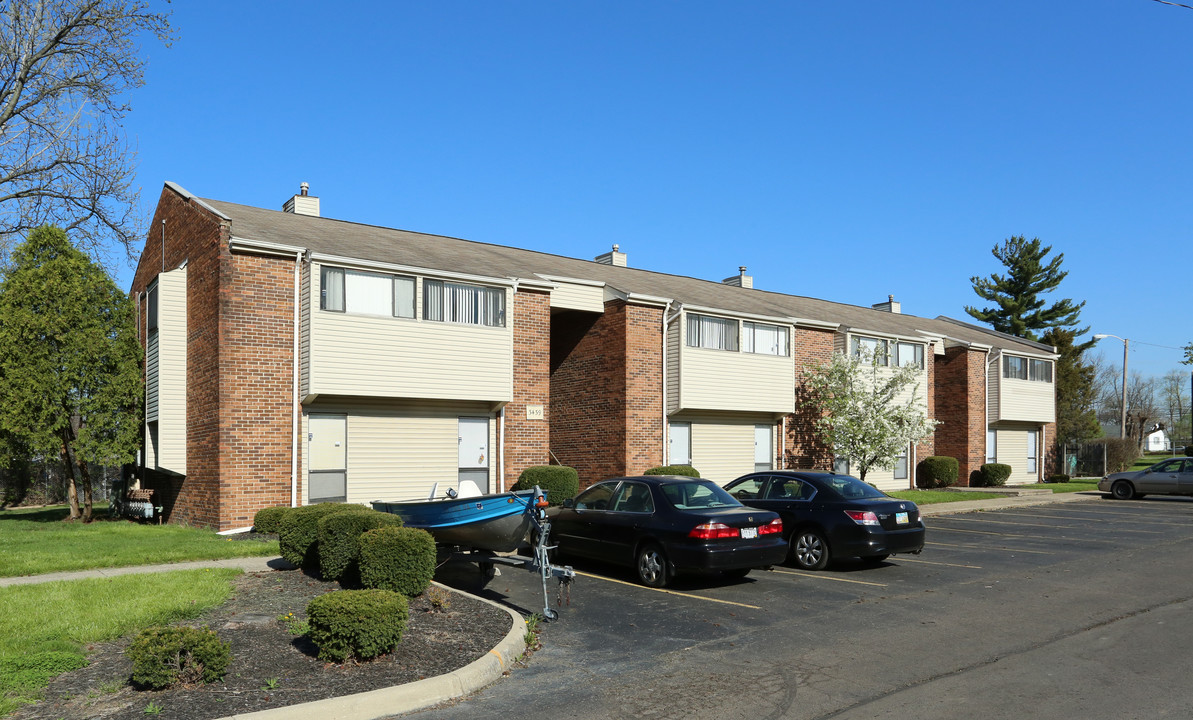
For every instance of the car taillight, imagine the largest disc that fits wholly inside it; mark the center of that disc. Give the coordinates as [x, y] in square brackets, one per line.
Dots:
[713, 531]
[771, 528]
[862, 517]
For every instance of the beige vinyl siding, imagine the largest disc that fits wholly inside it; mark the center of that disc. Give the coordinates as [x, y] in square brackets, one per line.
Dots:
[1012, 450]
[1026, 400]
[171, 370]
[993, 389]
[884, 477]
[376, 356]
[732, 380]
[304, 342]
[674, 401]
[576, 296]
[723, 445]
[399, 451]
[841, 343]
[151, 375]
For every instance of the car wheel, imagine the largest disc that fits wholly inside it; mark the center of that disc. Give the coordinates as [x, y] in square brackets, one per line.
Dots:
[652, 566]
[875, 559]
[809, 549]
[737, 574]
[1122, 490]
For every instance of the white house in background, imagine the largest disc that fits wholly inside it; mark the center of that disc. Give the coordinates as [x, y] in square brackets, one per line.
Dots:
[1157, 441]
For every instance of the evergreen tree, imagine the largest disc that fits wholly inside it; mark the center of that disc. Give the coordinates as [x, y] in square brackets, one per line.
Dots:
[1019, 308]
[1076, 418]
[70, 372]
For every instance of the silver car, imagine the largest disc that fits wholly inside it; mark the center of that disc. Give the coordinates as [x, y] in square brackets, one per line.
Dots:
[1170, 477]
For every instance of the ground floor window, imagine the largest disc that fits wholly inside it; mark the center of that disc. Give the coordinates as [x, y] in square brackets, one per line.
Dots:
[901, 466]
[1033, 438]
[991, 446]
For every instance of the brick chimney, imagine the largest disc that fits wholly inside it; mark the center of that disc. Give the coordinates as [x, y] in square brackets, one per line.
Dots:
[741, 279]
[302, 203]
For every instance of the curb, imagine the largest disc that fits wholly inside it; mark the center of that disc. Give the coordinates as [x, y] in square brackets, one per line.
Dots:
[413, 696]
[967, 506]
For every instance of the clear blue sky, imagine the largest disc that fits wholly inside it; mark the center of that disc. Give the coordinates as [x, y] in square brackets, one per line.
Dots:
[842, 150]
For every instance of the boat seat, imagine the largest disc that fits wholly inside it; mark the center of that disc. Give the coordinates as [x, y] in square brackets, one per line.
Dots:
[469, 489]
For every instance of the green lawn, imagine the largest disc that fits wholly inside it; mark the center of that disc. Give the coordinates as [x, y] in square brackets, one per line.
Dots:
[44, 628]
[930, 497]
[36, 541]
[1071, 486]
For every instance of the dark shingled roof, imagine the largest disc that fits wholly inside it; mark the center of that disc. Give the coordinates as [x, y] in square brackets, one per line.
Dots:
[402, 247]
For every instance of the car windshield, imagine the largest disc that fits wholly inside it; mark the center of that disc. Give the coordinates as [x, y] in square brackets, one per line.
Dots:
[689, 495]
[851, 488]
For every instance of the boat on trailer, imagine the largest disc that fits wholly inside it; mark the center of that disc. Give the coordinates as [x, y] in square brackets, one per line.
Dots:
[477, 527]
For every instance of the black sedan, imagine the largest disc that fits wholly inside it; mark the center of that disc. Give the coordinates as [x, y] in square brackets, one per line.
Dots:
[661, 525]
[827, 516]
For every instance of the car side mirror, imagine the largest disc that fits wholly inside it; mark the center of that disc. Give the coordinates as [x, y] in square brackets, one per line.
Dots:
[569, 503]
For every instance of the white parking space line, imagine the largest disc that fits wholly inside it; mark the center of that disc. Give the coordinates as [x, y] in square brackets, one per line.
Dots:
[669, 592]
[990, 547]
[1070, 527]
[934, 562]
[1153, 517]
[816, 576]
[938, 528]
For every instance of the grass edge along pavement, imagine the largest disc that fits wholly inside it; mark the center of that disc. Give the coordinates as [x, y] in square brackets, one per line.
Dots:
[38, 641]
[37, 541]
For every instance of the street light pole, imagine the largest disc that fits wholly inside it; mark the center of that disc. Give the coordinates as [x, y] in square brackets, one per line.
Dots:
[1122, 426]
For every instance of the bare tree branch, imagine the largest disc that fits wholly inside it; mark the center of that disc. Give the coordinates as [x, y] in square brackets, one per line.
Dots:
[66, 68]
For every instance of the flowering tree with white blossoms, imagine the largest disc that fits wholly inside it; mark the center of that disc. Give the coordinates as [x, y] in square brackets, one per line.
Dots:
[864, 410]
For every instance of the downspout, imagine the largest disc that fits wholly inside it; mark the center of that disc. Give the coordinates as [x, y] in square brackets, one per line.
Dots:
[990, 357]
[783, 443]
[501, 413]
[297, 368]
[666, 323]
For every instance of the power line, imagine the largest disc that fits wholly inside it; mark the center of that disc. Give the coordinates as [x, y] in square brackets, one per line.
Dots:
[1166, 2]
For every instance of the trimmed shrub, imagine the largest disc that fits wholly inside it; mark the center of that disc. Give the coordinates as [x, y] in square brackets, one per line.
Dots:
[163, 656]
[269, 520]
[936, 471]
[399, 559]
[1058, 478]
[993, 475]
[298, 534]
[559, 481]
[685, 470]
[339, 539]
[357, 623]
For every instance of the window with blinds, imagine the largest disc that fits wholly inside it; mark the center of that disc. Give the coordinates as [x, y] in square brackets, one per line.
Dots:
[705, 331]
[461, 303]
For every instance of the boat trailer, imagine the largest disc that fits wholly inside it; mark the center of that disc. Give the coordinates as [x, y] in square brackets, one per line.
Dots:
[539, 561]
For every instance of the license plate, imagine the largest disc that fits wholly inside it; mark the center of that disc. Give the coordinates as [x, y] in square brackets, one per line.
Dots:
[749, 533]
[901, 518]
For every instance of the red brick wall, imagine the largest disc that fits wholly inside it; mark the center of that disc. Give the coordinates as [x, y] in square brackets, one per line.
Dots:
[606, 390]
[527, 441]
[928, 446]
[644, 388]
[802, 447]
[588, 392]
[192, 234]
[1052, 458]
[256, 386]
[960, 399]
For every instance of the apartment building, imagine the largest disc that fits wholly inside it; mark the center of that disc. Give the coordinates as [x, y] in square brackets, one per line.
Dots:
[292, 359]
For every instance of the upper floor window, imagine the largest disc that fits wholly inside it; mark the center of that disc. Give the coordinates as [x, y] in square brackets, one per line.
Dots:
[1040, 370]
[1014, 367]
[764, 339]
[907, 353]
[870, 350]
[705, 331]
[366, 293]
[461, 303]
[151, 309]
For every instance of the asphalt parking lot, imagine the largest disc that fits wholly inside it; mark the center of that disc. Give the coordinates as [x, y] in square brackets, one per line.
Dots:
[1027, 611]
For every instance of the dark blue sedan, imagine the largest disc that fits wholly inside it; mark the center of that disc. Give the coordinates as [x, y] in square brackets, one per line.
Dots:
[660, 525]
[827, 516]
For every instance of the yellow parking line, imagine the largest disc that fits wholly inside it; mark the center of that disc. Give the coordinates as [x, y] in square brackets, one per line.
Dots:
[816, 576]
[669, 592]
[991, 547]
[932, 562]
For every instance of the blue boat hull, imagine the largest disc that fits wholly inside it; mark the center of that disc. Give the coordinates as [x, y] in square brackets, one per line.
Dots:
[498, 523]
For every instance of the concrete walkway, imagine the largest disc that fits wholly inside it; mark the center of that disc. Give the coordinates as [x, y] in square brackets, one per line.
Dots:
[486, 670]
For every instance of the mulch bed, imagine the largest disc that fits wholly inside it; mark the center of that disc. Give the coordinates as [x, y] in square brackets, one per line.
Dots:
[271, 667]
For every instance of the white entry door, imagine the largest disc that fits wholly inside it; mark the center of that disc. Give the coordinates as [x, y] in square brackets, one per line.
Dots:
[762, 447]
[327, 453]
[474, 451]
